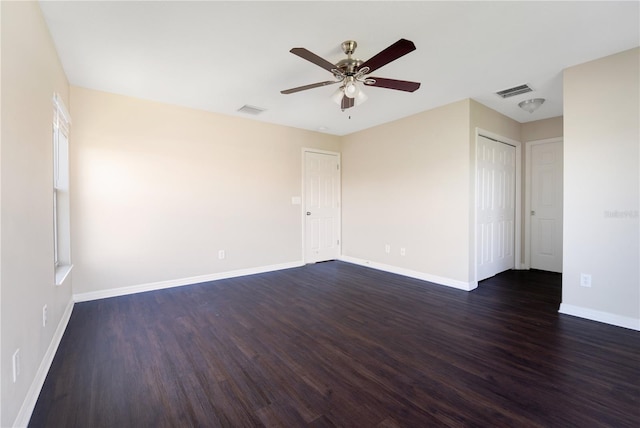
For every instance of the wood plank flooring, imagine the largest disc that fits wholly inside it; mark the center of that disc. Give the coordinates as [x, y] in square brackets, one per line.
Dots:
[334, 344]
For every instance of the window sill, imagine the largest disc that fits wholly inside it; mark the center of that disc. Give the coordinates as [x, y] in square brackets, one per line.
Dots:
[62, 272]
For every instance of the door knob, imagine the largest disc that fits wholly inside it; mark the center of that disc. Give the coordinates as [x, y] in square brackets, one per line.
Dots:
[308, 212]
[533, 212]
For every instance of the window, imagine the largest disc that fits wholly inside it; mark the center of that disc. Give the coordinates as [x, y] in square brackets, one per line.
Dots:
[61, 217]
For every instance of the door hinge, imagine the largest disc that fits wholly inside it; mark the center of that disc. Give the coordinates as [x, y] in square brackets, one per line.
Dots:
[338, 167]
[338, 242]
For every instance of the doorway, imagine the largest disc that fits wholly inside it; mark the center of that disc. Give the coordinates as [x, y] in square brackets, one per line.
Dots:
[321, 206]
[544, 204]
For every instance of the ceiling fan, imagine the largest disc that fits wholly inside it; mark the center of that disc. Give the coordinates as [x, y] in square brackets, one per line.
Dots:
[351, 71]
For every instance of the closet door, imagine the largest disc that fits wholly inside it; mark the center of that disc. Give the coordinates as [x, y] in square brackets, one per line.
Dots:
[495, 207]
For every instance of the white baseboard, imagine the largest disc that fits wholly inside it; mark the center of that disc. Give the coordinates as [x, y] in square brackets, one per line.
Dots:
[123, 291]
[460, 285]
[29, 403]
[604, 317]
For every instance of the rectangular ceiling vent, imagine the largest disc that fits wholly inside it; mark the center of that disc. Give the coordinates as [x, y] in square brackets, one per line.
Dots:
[251, 109]
[516, 90]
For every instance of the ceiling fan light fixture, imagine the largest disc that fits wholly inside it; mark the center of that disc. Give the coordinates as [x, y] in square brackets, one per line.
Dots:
[360, 98]
[350, 72]
[351, 90]
[531, 105]
[337, 95]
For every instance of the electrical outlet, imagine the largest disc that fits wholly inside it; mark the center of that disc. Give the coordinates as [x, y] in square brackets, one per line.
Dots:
[403, 251]
[16, 365]
[44, 316]
[222, 254]
[585, 280]
[387, 248]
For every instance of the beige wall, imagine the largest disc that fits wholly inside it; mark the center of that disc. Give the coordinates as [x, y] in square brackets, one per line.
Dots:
[602, 186]
[31, 73]
[490, 120]
[405, 184]
[158, 190]
[410, 184]
[151, 178]
[542, 129]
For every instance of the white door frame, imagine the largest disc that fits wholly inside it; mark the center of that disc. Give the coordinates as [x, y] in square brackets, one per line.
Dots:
[474, 198]
[527, 196]
[303, 211]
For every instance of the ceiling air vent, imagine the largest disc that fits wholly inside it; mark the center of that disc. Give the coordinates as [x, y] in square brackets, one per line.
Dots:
[251, 110]
[516, 90]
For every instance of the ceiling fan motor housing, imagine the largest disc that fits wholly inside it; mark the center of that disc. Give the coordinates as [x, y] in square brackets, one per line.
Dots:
[349, 66]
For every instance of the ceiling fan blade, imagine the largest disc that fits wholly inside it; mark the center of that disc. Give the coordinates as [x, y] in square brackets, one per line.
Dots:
[393, 52]
[311, 57]
[311, 86]
[347, 102]
[400, 85]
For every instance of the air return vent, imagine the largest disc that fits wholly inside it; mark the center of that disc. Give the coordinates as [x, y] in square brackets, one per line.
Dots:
[251, 110]
[516, 90]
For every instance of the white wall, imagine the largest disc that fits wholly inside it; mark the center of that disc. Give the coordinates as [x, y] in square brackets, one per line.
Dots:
[158, 190]
[31, 73]
[602, 186]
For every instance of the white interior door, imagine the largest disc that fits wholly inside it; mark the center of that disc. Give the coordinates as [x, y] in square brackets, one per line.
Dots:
[322, 206]
[546, 206]
[495, 207]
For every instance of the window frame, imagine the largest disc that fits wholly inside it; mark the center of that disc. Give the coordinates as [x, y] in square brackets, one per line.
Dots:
[61, 210]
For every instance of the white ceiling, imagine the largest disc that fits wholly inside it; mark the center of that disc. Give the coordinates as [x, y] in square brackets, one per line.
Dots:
[219, 56]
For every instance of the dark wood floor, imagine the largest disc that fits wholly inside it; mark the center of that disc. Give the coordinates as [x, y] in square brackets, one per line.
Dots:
[335, 344]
